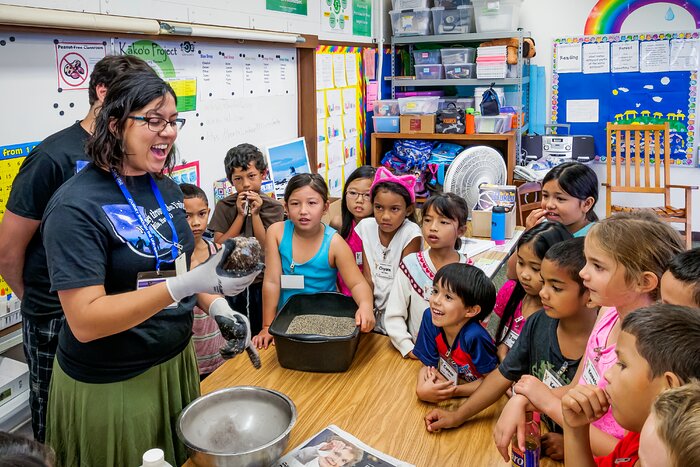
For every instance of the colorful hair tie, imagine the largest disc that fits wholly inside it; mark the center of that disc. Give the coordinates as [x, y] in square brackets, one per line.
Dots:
[383, 175]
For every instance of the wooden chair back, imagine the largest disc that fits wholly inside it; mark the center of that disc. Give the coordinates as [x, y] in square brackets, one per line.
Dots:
[637, 159]
[529, 198]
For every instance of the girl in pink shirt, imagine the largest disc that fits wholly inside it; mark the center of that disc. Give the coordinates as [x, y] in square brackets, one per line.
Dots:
[355, 206]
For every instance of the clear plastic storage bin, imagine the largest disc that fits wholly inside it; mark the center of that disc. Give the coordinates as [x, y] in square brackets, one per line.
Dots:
[415, 22]
[455, 55]
[493, 124]
[409, 4]
[459, 102]
[386, 124]
[426, 57]
[386, 108]
[460, 71]
[418, 105]
[453, 21]
[452, 3]
[429, 72]
[496, 15]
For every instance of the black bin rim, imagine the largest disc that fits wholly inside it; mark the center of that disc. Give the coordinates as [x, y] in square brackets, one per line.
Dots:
[312, 338]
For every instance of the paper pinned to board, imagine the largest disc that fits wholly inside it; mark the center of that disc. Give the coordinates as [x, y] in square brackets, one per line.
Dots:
[596, 58]
[625, 56]
[654, 56]
[324, 71]
[569, 59]
[339, 70]
[684, 55]
[582, 111]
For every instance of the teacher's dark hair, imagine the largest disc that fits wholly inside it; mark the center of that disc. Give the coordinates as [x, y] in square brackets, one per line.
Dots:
[131, 93]
[17, 451]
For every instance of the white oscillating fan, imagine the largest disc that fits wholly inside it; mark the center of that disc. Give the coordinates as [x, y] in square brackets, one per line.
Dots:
[471, 168]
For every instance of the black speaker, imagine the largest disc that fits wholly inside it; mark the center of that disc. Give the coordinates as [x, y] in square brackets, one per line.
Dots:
[583, 149]
[531, 147]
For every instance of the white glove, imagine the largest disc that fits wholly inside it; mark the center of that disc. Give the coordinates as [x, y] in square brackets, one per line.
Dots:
[211, 277]
[235, 329]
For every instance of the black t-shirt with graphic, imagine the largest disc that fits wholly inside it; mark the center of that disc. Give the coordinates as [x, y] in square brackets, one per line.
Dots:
[92, 237]
[45, 169]
[537, 353]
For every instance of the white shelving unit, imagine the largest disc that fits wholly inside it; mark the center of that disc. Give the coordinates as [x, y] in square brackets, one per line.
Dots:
[517, 85]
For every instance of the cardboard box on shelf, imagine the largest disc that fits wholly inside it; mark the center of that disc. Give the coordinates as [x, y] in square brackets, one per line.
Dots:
[417, 123]
[481, 223]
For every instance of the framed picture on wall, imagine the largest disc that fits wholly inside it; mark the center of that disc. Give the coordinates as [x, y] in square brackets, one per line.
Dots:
[286, 160]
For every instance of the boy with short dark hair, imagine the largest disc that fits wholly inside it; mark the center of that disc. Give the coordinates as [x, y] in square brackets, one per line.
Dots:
[680, 284]
[549, 349]
[657, 349]
[246, 213]
[452, 344]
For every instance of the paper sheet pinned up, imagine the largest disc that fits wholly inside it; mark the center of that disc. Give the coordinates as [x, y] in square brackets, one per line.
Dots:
[582, 111]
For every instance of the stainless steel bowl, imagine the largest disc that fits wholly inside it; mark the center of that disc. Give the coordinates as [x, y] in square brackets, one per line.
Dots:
[242, 426]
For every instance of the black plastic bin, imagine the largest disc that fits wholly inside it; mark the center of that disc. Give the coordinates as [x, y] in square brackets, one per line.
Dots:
[311, 352]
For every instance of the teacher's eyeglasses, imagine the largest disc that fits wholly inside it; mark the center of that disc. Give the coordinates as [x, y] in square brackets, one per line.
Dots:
[157, 125]
[356, 194]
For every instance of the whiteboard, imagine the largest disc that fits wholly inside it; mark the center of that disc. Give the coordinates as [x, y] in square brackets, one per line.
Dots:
[232, 93]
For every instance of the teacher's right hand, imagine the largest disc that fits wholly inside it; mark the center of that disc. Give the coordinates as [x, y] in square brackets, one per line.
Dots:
[263, 339]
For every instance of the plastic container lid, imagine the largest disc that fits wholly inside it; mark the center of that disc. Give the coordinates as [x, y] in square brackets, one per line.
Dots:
[154, 458]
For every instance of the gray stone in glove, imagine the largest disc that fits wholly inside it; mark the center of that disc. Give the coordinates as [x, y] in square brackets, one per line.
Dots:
[235, 329]
[227, 272]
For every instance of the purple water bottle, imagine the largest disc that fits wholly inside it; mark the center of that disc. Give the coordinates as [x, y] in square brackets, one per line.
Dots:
[498, 225]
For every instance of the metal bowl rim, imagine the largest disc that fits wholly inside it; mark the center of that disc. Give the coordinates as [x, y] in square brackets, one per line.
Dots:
[192, 404]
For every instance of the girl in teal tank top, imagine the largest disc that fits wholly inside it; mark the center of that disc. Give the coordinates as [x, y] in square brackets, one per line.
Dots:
[303, 255]
[319, 275]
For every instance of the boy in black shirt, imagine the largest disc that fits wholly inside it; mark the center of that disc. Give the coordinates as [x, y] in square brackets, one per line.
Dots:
[550, 345]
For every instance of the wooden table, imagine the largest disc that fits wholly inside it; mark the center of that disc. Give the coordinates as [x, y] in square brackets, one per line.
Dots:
[375, 401]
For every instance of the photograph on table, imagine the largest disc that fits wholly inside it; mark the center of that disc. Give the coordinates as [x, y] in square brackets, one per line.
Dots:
[333, 446]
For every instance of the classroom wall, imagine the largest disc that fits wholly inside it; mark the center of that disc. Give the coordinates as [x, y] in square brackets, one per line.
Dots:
[249, 14]
[550, 19]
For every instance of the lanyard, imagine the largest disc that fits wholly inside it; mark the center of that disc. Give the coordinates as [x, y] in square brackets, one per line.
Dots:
[152, 241]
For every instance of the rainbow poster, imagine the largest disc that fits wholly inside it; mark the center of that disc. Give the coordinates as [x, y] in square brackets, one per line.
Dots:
[607, 16]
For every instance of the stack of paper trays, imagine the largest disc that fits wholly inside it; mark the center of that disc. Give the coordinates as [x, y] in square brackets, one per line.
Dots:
[491, 62]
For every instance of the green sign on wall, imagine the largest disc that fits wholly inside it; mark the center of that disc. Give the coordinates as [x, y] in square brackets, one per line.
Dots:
[298, 7]
[362, 17]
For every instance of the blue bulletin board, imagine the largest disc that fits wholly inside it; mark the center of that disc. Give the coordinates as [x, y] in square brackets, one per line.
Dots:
[627, 79]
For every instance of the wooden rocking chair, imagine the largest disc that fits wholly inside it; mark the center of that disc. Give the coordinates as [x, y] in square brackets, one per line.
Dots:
[640, 152]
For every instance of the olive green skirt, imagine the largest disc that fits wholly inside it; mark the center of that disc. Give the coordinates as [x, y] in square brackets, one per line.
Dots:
[114, 424]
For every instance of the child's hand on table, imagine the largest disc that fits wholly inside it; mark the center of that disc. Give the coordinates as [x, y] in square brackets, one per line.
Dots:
[553, 446]
[263, 339]
[432, 387]
[437, 419]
